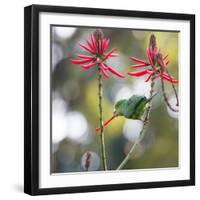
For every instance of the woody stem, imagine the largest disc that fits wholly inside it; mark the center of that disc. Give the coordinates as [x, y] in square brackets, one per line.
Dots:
[165, 95]
[102, 140]
[173, 86]
[146, 120]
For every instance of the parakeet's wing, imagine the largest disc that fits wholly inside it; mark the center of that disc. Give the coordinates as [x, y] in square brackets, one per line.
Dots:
[132, 104]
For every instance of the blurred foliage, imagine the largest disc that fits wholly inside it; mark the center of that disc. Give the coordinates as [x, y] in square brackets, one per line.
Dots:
[78, 89]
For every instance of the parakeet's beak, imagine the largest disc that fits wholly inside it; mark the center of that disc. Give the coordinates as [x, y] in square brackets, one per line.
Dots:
[108, 121]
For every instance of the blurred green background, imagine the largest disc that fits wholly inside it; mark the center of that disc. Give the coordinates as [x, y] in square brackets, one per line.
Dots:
[75, 103]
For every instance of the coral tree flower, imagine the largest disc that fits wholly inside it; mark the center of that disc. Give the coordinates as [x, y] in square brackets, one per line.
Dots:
[96, 47]
[156, 62]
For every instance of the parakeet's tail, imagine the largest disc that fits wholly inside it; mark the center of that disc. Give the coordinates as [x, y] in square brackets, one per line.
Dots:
[107, 122]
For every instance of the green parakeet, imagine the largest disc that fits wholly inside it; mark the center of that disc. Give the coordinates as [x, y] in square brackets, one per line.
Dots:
[132, 108]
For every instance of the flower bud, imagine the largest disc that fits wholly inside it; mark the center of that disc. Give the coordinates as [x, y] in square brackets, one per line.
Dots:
[90, 161]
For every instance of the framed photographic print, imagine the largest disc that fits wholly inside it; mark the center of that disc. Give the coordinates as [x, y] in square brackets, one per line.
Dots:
[109, 100]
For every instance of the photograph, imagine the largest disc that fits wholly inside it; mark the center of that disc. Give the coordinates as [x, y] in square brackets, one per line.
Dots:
[114, 99]
[109, 98]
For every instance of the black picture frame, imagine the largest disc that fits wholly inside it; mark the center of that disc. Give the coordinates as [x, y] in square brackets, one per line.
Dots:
[31, 98]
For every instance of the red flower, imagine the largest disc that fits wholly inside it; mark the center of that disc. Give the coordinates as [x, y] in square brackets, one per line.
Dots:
[97, 46]
[154, 58]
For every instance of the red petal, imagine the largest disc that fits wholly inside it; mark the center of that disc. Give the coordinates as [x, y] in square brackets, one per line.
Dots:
[109, 53]
[103, 65]
[167, 62]
[90, 45]
[99, 44]
[114, 55]
[157, 75]
[104, 72]
[105, 44]
[174, 81]
[166, 77]
[161, 62]
[138, 66]
[149, 57]
[148, 78]
[149, 71]
[165, 57]
[102, 45]
[88, 66]
[139, 73]
[138, 60]
[86, 48]
[165, 74]
[84, 56]
[80, 61]
[93, 42]
[154, 53]
[115, 72]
